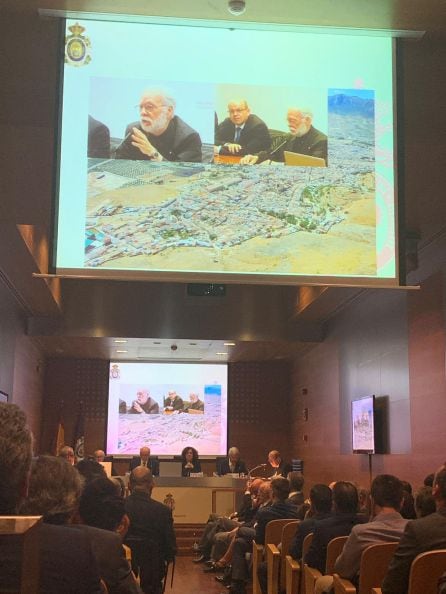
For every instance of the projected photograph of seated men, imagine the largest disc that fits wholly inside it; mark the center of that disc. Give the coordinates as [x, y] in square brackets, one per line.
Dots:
[168, 406]
[191, 171]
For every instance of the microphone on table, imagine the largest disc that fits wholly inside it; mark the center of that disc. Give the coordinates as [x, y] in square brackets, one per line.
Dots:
[256, 468]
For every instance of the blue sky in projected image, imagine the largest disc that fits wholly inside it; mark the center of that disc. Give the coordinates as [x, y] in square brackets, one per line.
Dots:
[363, 93]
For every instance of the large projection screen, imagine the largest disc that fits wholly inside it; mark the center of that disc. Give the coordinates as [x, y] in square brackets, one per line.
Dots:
[191, 213]
[141, 413]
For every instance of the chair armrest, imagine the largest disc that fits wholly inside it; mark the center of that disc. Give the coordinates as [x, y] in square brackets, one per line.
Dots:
[310, 576]
[292, 575]
[257, 558]
[342, 586]
[273, 564]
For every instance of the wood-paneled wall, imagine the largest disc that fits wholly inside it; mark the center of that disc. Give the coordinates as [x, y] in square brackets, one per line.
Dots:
[258, 416]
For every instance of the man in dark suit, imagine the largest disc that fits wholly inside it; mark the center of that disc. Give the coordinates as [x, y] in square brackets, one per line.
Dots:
[279, 509]
[144, 404]
[281, 468]
[173, 402]
[304, 139]
[144, 459]
[345, 500]
[150, 522]
[160, 135]
[424, 534]
[98, 139]
[67, 563]
[242, 132]
[232, 464]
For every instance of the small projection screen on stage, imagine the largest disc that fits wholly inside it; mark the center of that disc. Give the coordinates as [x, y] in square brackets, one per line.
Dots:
[152, 180]
[167, 406]
[363, 425]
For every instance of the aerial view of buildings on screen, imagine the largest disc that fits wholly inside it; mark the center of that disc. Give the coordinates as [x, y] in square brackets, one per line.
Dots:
[242, 219]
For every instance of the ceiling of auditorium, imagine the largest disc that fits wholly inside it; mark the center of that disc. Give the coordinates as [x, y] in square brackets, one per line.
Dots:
[426, 15]
[160, 350]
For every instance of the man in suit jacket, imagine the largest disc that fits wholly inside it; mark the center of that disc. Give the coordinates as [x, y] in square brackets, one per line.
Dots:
[144, 459]
[387, 526]
[98, 139]
[281, 468]
[242, 132]
[424, 534]
[160, 135]
[67, 563]
[149, 520]
[345, 499]
[232, 464]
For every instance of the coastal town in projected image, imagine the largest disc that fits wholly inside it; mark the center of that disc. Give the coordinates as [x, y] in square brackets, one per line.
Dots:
[232, 218]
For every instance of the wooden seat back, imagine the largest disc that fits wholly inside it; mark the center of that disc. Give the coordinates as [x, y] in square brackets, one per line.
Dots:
[425, 571]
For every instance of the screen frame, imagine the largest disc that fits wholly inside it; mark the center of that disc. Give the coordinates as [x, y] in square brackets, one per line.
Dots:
[282, 279]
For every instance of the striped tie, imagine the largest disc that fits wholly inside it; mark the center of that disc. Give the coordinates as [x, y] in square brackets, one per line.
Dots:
[238, 131]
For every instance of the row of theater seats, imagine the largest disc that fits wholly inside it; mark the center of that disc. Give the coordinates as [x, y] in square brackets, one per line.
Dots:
[287, 574]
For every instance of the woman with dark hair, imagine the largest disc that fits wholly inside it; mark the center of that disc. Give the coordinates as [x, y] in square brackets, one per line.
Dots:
[189, 461]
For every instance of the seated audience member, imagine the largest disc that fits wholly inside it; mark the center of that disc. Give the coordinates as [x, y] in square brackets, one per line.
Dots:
[54, 492]
[232, 464]
[279, 509]
[363, 502]
[90, 470]
[66, 559]
[98, 139]
[160, 135]
[67, 453]
[345, 516]
[99, 455]
[217, 524]
[421, 535]
[429, 480]
[296, 481]
[144, 404]
[387, 525]
[100, 506]
[424, 502]
[173, 402]
[321, 502]
[280, 467]
[195, 403]
[224, 540]
[189, 461]
[242, 132]
[304, 139]
[144, 459]
[408, 505]
[151, 523]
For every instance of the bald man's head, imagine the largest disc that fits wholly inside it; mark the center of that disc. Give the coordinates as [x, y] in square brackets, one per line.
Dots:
[141, 479]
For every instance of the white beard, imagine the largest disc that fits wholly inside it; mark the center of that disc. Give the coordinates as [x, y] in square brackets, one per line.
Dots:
[158, 126]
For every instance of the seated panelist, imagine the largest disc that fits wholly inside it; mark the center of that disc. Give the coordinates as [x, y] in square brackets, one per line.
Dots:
[189, 461]
[303, 139]
[144, 404]
[232, 464]
[242, 132]
[196, 405]
[173, 402]
[160, 135]
[144, 459]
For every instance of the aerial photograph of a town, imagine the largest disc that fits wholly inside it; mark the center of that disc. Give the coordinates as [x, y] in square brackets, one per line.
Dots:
[274, 220]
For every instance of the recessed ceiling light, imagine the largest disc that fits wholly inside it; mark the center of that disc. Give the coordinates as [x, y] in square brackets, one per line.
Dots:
[122, 351]
[119, 341]
[229, 343]
[192, 344]
[156, 342]
[221, 353]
